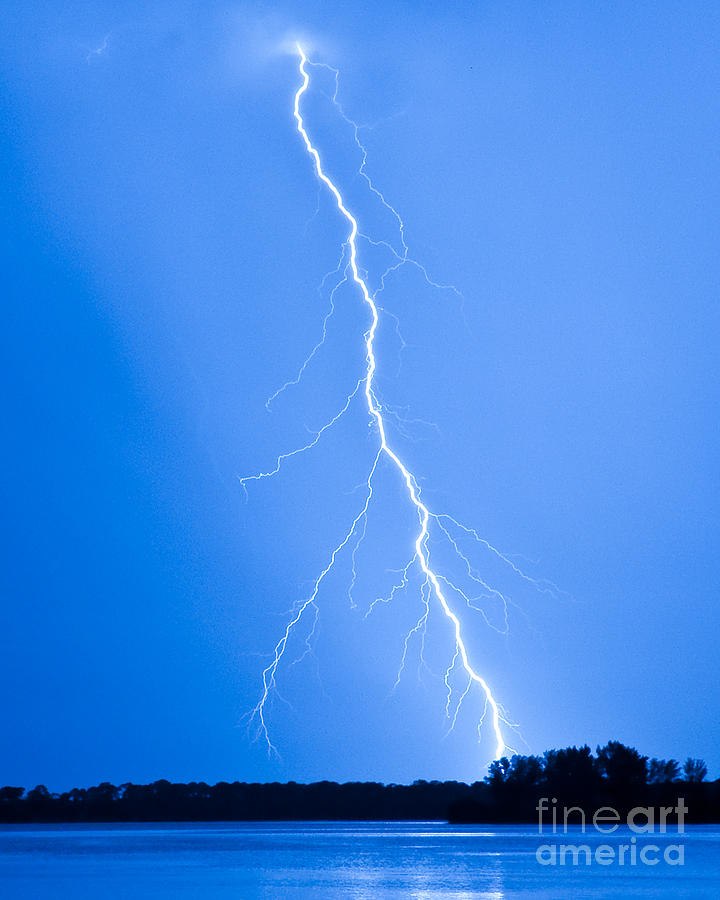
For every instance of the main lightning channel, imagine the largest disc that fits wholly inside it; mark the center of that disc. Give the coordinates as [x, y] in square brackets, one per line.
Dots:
[375, 411]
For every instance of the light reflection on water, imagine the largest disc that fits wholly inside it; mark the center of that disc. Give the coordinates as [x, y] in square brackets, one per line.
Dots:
[361, 861]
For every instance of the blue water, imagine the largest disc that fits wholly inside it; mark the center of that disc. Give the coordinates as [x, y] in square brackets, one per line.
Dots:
[363, 861]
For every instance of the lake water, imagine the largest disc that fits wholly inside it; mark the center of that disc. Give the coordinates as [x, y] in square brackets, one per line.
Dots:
[364, 861]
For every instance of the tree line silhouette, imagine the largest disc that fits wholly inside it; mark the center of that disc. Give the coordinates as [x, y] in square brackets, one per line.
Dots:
[616, 776]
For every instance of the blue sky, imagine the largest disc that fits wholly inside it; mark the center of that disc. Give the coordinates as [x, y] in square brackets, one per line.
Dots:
[164, 243]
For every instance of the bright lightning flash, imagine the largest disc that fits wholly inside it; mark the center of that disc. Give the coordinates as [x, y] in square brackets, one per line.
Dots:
[435, 585]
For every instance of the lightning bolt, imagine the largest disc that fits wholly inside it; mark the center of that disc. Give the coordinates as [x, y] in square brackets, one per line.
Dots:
[435, 585]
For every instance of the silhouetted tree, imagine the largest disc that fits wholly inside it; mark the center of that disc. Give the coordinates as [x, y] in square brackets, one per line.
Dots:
[497, 772]
[571, 773]
[75, 797]
[663, 771]
[623, 767]
[694, 770]
[38, 794]
[525, 772]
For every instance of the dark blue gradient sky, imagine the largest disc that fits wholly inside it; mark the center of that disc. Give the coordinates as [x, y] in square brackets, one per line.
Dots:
[163, 245]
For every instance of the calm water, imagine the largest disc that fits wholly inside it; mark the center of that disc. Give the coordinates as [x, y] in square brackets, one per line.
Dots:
[319, 860]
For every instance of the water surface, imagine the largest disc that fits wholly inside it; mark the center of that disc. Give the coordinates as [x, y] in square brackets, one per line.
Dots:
[363, 861]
